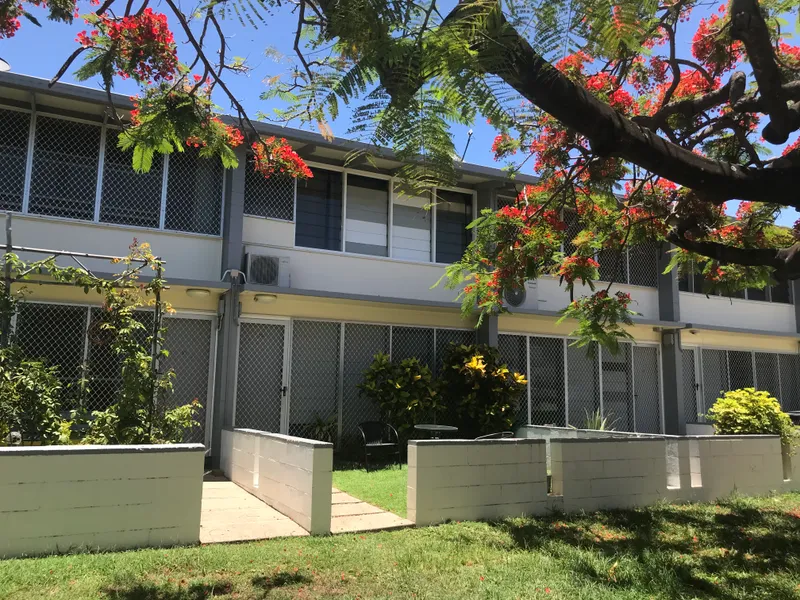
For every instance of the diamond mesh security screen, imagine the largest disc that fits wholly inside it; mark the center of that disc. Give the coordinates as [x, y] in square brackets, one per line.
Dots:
[56, 334]
[103, 364]
[618, 388]
[790, 381]
[546, 376]
[129, 198]
[643, 264]
[583, 384]
[715, 377]
[14, 133]
[647, 389]
[189, 343]
[514, 352]
[65, 163]
[740, 369]
[259, 376]
[613, 265]
[314, 374]
[767, 373]
[271, 197]
[690, 387]
[361, 344]
[413, 342]
[194, 193]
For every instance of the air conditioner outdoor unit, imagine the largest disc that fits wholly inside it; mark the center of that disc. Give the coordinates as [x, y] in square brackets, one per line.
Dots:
[267, 270]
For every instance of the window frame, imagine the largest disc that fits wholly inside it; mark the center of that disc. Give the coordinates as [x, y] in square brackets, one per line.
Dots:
[690, 284]
[101, 122]
[390, 224]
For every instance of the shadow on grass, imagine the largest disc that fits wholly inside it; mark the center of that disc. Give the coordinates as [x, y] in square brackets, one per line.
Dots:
[146, 590]
[201, 590]
[731, 550]
[279, 580]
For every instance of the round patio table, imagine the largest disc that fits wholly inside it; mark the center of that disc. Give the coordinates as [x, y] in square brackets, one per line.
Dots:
[435, 430]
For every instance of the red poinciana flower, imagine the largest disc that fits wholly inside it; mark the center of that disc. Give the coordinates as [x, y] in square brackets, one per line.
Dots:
[271, 156]
[143, 45]
[9, 18]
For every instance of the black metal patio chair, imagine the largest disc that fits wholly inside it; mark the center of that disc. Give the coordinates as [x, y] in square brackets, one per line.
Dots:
[379, 439]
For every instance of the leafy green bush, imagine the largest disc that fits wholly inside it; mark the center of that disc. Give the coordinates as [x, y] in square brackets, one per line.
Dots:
[403, 392]
[747, 411]
[29, 398]
[480, 392]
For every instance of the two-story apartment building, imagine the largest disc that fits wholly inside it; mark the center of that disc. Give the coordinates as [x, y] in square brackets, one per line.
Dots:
[284, 291]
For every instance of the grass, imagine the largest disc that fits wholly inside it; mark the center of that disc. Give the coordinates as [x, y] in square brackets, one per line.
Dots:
[741, 549]
[384, 488]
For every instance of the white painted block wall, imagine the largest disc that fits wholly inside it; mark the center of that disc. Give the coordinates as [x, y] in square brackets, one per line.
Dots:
[609, 473]
[293, 475]
[63, 498]
[475, 479]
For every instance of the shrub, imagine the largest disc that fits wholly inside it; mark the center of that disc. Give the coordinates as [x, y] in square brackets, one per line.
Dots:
[747, 411]
[29, 398]
[403, 392]
[480, 392]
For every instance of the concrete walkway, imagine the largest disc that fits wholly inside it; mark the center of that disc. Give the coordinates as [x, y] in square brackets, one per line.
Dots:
[349, 514]
[230, 514]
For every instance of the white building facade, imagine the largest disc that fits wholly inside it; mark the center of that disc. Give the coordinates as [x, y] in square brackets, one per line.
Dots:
[285, 290]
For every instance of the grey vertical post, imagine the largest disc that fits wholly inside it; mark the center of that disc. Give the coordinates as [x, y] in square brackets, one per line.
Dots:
[228, 332]
[796, 299]
[671, 355]
[487, 332]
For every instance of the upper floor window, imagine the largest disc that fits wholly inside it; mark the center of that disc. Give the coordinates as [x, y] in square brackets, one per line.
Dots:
[129, 198]
[453, 214]
[411, 227]
[358, 214]
[77, 171]
[367, 223]
[14, 133]
[271, 197]
[781, 292]
[65, 163]
[635, 265]
[318, 222]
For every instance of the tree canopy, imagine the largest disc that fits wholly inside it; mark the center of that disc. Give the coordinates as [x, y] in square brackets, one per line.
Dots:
[635, 135]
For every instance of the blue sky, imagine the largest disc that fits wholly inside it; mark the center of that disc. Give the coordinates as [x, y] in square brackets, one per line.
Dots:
[41, 51]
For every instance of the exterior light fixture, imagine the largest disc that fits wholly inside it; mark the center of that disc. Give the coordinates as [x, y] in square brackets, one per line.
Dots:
[198, 293]
[265, 298]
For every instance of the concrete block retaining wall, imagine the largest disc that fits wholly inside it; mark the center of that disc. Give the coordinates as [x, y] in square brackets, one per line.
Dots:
[475, 479]
[65, 498]
[293, 475]
[489, 479]
[609, 473]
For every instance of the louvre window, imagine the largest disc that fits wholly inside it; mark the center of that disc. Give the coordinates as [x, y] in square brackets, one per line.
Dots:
[194, 193]
[129, 198]
[453, 214]
[65, 163]
[318, 223]
[367, 224]
[271, 197]
[411, 227]
[14, 132]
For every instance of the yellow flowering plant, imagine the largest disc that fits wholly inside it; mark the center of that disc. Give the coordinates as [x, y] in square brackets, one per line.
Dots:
[481, 393]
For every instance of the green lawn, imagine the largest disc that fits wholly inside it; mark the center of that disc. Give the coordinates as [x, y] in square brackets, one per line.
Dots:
[741, 549]
[385, 488]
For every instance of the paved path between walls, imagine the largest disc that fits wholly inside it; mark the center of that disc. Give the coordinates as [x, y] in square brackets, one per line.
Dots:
[349, 515]
[230, 514]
